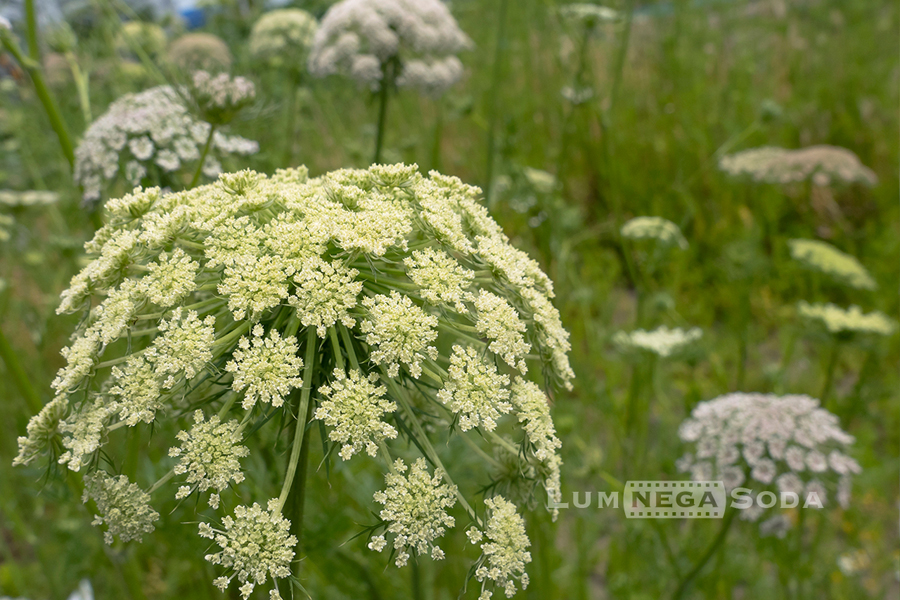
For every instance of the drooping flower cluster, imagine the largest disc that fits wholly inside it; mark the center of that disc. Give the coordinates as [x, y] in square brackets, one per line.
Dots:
[210, 455]
[504, 554]
[821, 165]
[206, 299]
[124, 507]
[198, 50]
[662, 341]
[416, 39]
[415, 510]
[354, 407]
[282, 38]
[256, 545]
[839, 320]
[143, 135]
[762, 441]
[662, 230]
[825, 258]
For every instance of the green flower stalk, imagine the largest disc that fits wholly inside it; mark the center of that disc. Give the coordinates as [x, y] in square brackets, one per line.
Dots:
[380, 302]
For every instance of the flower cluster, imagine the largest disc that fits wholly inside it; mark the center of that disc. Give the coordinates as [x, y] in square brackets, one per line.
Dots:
[150, 38]
[142, 136]
[282, 38]
[207, 299]
[821, 165]
[353, 407]
[839, 320]
[267, 367]
[504, 554]
[124, 507]
[364, 38]
[589, 16]
[761, 440]
[219, 98]
[474, 391]
[825, 258]
[415, 510]
[662, 341]
[210, 455]
[662, 230]
[198, 50]
[256, 544]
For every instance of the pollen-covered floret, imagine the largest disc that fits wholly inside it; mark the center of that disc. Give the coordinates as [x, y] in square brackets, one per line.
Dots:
[183, 348]
[170, 279]
[41, 429]
[124, 507]
[210, 455]
[353, 407]
[475, 391]
[504, 554]
[415, 510]
[400, 331]
[760, 440]
[325, 293]
[499, 322]
[267, 367]
[440, 278]
[256, 545]
[136, 388]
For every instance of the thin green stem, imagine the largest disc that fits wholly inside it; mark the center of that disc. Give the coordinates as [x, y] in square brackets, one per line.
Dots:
[494, 109]
[686, 582]
[336, 348]
[18, 374]
[830, 368]
[206, 147]
[81, 84]
[348, 344]
[33, 68]
[300, 428]
[31, 32]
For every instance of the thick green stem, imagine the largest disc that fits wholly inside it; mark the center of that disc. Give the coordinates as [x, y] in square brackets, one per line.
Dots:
[40, 87]
[206, 147]
[18, 374]
[387, 81]
[688, 579]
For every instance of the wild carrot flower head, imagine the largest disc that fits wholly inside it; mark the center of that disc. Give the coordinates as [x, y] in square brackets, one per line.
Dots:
[504, 554]
[825, 258]
[846, 321]
[124, 507]
[768, 443]
[389, 302]
[219, 98]
[822, 165]
[665, 232]
[199, 51]
[282, 38]
[662, 341]
[149, 136]
[417, 38]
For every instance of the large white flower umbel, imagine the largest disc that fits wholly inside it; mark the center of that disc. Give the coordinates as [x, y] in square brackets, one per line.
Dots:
[380, 302]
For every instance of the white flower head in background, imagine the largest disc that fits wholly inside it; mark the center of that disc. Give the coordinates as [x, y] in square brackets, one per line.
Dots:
[417, 39]
[282, 38]
[145, 133]
[825, 258]
[198, 50]
[765, 442]
[821, 165]
[851, 320]
[662, 230]
[589, 16]
[662, 341]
